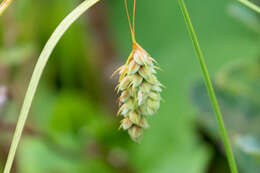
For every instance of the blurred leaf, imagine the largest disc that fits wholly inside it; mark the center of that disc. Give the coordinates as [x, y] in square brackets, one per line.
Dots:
[250, 145]
[52, 161]
[16, 55]
[245, 15]
[76, 120]
[248, 151]
[73, 112]
[237, 87]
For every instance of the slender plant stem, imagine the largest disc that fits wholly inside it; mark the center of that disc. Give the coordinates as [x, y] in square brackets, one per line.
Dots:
[250, 5]
[211, 92]
[37, 73]
[4, 4]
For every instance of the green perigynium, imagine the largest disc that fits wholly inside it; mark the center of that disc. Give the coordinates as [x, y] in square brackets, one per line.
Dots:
[139, 91]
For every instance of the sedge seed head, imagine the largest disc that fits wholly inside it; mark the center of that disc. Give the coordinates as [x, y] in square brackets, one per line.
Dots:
[140, 92]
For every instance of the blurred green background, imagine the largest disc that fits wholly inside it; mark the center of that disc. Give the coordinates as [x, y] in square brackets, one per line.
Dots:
[72, 126]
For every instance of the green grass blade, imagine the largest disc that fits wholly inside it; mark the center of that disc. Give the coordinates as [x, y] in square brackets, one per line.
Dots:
[250, 5]
[209, 86]
[37, 73]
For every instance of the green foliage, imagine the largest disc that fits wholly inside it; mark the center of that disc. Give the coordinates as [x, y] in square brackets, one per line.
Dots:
[16, 55]
[53, 160]
[73, 80]
[237, 87]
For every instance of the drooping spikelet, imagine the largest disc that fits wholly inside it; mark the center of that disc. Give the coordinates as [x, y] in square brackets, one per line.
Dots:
[139, 91]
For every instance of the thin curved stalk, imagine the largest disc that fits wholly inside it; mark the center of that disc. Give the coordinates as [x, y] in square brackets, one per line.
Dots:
[4, 4]
[250, 5]
[209, 86]
[37, 73]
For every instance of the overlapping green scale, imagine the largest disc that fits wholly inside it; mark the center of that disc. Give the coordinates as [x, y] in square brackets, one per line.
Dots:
[140, 92]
